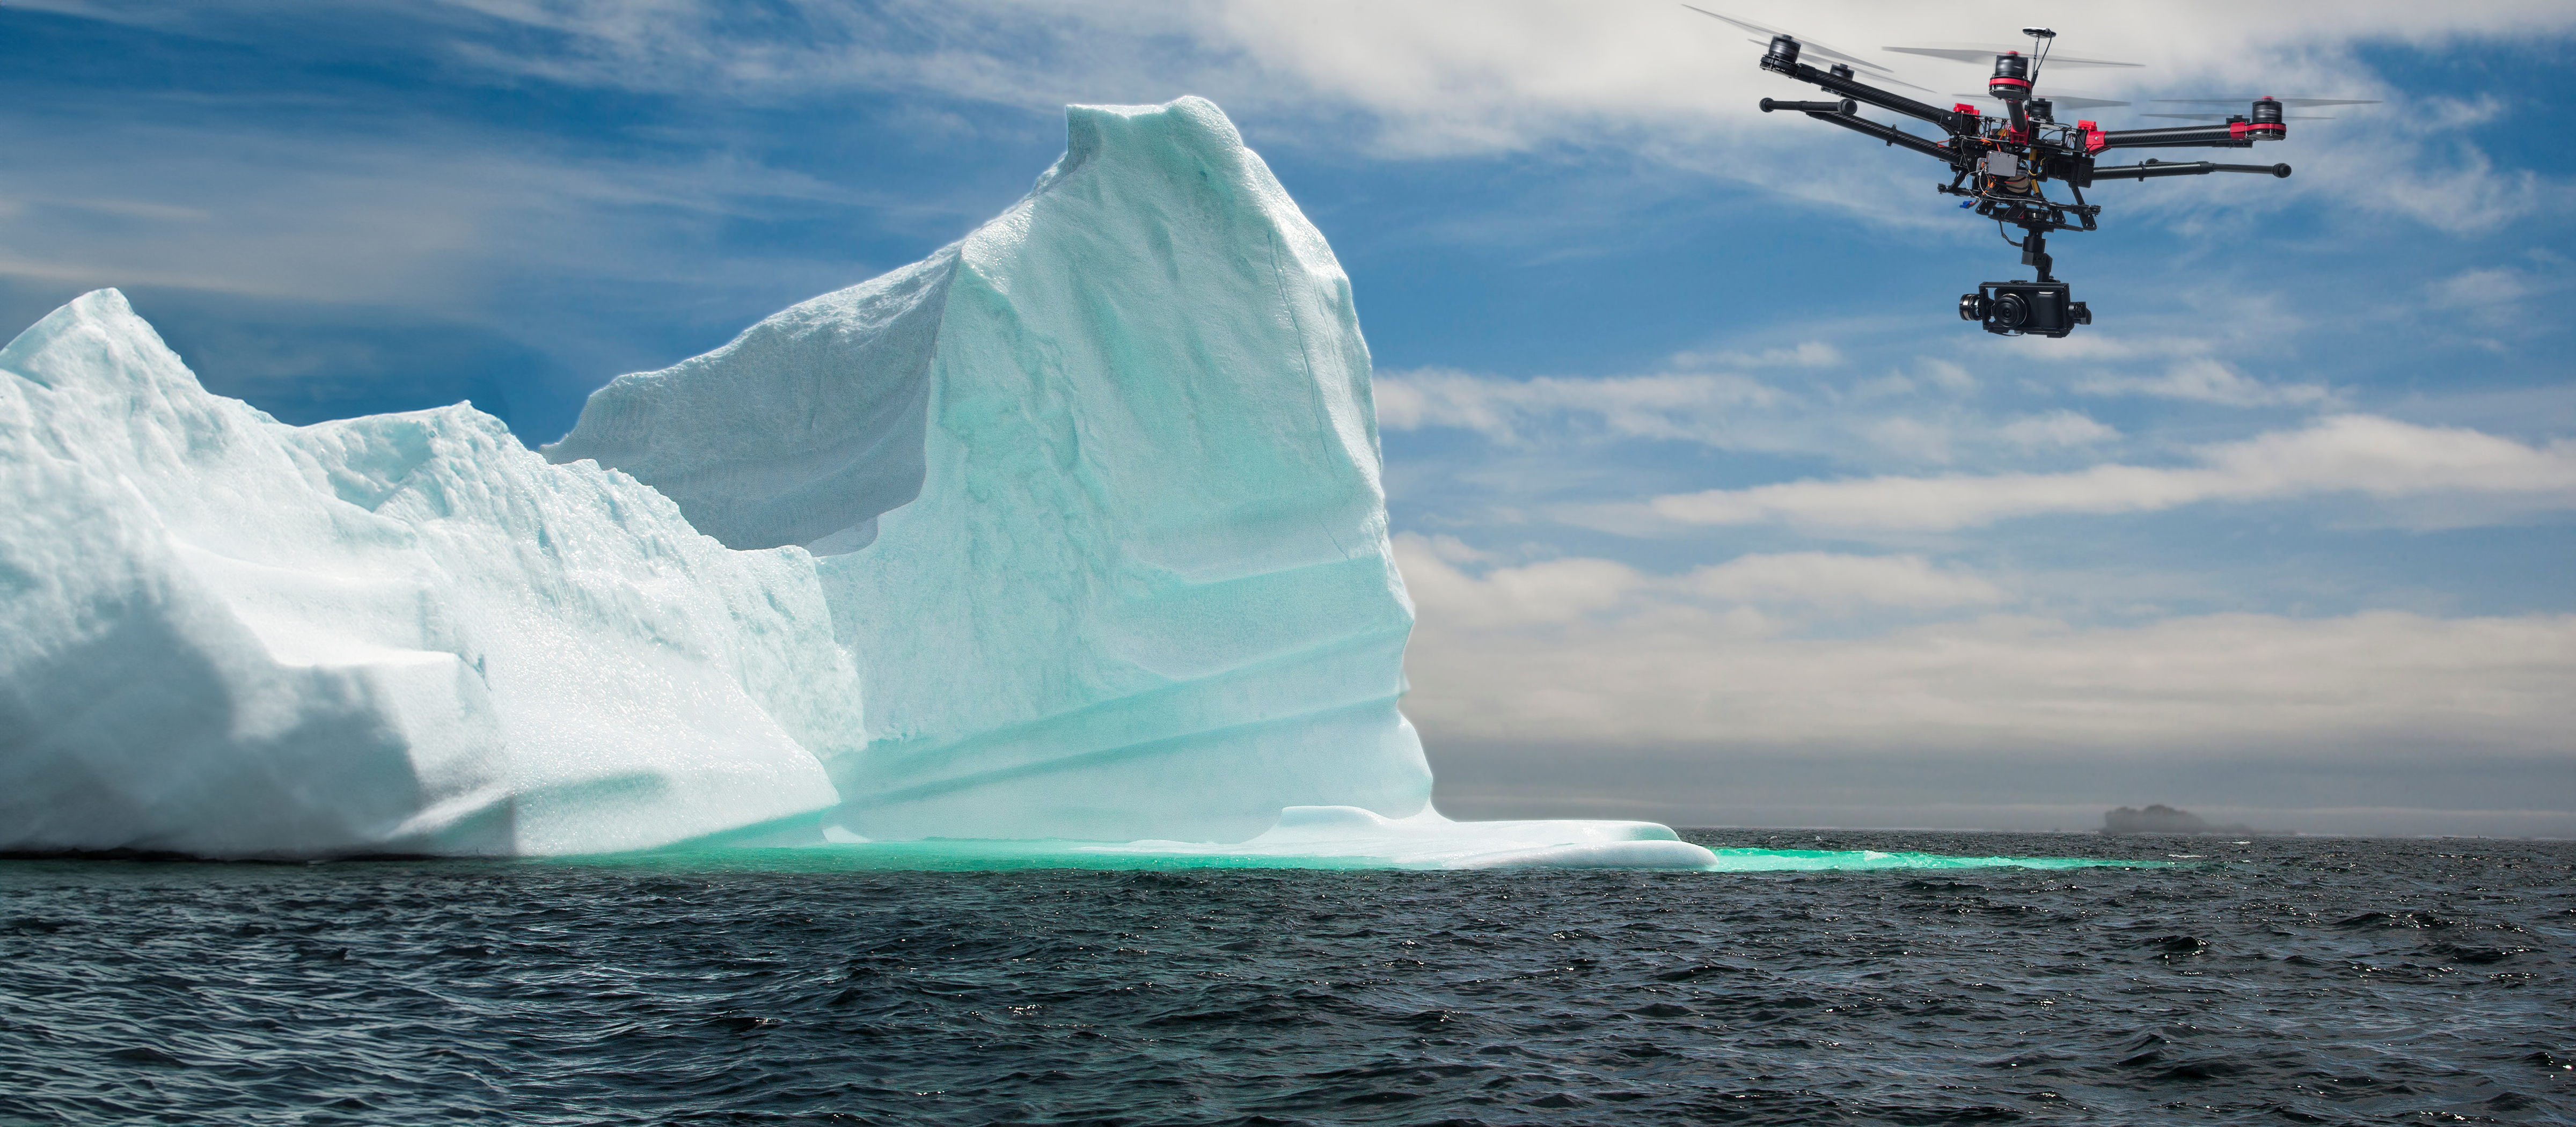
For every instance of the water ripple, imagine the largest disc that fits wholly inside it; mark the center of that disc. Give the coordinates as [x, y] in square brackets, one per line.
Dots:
[2287, 980]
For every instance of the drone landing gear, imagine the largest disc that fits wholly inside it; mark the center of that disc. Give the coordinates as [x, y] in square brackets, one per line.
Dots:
[2045, 307]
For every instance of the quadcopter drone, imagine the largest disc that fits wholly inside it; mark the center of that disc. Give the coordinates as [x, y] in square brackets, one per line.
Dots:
[2000, 163]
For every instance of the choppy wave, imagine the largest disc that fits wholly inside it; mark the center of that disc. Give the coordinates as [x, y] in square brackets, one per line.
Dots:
[2284, 980]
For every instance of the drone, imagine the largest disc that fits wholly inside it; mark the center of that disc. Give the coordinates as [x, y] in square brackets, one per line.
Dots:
[2001, 163]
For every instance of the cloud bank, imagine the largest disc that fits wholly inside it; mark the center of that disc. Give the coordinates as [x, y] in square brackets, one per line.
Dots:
[2363, 454]
[1676, 674]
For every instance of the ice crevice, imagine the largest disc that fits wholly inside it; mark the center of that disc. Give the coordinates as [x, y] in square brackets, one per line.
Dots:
[1067, 543]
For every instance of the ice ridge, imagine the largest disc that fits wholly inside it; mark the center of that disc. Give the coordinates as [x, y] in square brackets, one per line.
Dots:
[1142, 584]
[225, 636]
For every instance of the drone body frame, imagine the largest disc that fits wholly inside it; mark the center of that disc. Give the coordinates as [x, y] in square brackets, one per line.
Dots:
[2001, 163]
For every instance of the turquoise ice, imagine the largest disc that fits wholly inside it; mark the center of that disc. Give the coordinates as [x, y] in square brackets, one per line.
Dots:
[1111, 546]
[1066, 545]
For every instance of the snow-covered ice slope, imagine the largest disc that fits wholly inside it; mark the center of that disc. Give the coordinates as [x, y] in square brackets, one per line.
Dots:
[225, 636]
[799, 432]
[1142, 586]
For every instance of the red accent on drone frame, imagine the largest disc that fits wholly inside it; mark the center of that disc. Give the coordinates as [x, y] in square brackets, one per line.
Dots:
[2000, 80]
[1962, 107]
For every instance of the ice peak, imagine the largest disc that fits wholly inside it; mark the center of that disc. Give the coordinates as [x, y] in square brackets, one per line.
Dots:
[1102, 485]
[1188, 124]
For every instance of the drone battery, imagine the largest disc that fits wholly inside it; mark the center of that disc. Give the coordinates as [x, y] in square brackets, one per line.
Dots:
[2002, 166]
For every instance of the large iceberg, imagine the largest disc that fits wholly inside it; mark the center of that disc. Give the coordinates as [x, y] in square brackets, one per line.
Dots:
[1073, 530]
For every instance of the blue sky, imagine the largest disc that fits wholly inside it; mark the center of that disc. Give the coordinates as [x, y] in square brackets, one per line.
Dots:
[1714, 511]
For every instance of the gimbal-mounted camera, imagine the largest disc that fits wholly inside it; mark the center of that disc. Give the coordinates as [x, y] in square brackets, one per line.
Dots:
[2000, 162]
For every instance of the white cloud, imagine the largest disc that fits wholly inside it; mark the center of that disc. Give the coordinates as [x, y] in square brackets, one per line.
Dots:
[1948, 376]
[1807, 354]
[1838, 582]
[2348, 453]
[2471, 289]
[1565, 591]
[2054, 430]
[1687, 407]
[2493, 297]
[1908, 420]
[2206, 381]
[1434, 79]
[1922, 440]
[1610, 662]
[401, 213]
[1451, 549]
[1440, 78]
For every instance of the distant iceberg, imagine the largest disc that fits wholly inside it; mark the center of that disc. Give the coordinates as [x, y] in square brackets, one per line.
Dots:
[2162, 819]
[1072, 531]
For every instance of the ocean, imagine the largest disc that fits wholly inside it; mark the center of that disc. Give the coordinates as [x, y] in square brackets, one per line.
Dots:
[2261, 980]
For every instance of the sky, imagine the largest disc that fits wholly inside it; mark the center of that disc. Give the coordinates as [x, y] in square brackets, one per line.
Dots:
[1713, 511]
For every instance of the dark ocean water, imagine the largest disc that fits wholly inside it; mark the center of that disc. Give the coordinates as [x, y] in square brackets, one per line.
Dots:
[2278, 981]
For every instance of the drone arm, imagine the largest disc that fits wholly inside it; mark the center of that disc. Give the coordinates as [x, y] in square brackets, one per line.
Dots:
[1786, 62]
[2154, 169]
[2195, 137]
[1890, 135]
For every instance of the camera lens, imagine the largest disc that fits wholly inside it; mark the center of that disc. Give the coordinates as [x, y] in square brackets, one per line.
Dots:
[1972, 307]
[2011, 311]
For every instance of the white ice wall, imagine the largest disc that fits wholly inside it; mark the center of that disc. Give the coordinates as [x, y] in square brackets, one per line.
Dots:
[1145, 588]
[225, 636]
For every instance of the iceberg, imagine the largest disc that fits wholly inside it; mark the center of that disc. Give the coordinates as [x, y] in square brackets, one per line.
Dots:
[1096, 491]
[1072, 532]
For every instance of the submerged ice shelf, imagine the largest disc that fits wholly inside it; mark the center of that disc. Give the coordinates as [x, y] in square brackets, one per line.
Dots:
[1064, 545]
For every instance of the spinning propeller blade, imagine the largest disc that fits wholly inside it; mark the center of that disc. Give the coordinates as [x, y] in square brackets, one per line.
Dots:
[1805, 44]
[2061, 101]
[2301, 102]
[1982, 53]
[2223, 117]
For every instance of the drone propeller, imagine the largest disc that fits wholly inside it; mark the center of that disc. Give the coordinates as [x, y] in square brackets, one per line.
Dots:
[1985, 53]
[2223, 117]
[2300, 102]
[2061, 101]
[1810, 46]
